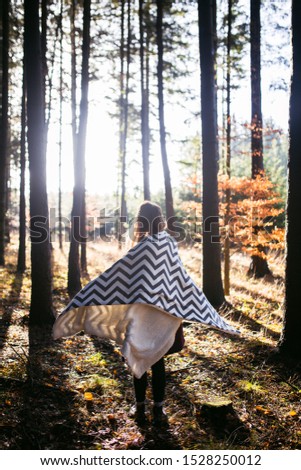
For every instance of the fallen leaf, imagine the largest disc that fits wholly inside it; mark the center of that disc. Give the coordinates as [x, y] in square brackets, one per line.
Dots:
[111, 417]
[88, 396]
[262, 409]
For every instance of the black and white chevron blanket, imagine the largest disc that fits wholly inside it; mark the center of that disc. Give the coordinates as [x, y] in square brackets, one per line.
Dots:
[150, 279]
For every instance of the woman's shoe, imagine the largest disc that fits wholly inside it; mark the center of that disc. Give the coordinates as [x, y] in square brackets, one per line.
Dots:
[138, 413]
[159, 416]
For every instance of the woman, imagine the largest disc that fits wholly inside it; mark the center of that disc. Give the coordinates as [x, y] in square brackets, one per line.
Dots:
[140, 302]
[149, 222]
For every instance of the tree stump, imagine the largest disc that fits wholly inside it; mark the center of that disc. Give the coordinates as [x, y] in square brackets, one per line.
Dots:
[223, 420]
[218, 405]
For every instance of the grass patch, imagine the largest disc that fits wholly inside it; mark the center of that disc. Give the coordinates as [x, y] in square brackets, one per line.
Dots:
[96, 360]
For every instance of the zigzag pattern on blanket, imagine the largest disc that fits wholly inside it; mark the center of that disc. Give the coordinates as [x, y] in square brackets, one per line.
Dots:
[151, 273]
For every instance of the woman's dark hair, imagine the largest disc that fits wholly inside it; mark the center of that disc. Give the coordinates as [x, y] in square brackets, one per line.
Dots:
[149, 220]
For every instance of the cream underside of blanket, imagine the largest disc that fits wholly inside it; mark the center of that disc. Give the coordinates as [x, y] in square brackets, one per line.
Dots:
[144, 332]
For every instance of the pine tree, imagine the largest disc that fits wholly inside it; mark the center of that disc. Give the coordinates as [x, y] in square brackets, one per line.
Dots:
[74, 282]
[290, 338]
[167, 180]
[259, 266]
[4, 38]
[212, 280]
[125, 60]
[60, 25]
[41, 293]
[21, 266]
[228, 152]
[144, 72]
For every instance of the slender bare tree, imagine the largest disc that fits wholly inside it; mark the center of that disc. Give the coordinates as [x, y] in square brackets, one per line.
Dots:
[77, 237]
[21, 266]
[256, 119]
[145, 132]
[169, 208]
[60, 125]
[259, 266]
[125, 60]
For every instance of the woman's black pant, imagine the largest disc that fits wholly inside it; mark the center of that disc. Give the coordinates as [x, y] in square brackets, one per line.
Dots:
[158, 383]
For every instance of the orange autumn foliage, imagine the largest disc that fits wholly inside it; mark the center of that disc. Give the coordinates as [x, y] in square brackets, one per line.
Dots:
[250, 221]
[252, 212]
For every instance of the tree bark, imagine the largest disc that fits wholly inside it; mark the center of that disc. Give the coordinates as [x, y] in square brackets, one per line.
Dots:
[74, 282]
[3, 124]
[167, 181]
[41, 292]
[121, 124]
[77, 236]
[82, 130]
[290, 338]
[256, 118]
[60, 129]
[228, 154]
[44, 17]
[212, 280]
[73, 74]
[259, 266]
[21, 266]
[144, 105]
[125, 55]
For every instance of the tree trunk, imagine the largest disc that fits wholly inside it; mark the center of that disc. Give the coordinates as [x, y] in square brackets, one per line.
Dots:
[44, 17]
[121, 124]
[74, 283]
[167, 181]
[124, 108]
[144, 106]
[256, 119]
[259, 266]
[82, 130]
[21, 266]
[228, 154]
[147, 95]
[84, 235]
[41, 292]
[290, 338]
[212, 280]
[47, 107]
[3, 123]
[7, 190]
[73, 75]
[60, 129]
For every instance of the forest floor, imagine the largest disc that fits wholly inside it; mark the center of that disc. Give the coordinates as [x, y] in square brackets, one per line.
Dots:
[76, 393]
